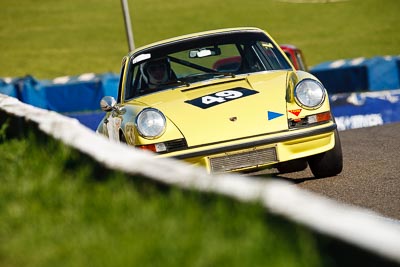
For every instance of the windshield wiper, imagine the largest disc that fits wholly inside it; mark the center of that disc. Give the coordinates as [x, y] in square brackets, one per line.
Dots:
[208, 75]
[177, 82]
[225, 74]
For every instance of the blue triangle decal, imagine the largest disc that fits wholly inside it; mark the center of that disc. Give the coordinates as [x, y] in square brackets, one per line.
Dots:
[273, 115]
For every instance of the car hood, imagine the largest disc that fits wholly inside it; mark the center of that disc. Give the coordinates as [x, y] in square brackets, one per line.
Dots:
[226, 109]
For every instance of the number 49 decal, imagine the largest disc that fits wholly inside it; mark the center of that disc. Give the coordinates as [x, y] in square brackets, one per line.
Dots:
[211, 100]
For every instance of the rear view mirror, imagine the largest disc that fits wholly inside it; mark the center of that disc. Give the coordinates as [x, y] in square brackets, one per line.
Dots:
[204, 52]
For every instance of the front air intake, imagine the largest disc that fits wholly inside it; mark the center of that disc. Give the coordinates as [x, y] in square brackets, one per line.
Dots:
[254, 158]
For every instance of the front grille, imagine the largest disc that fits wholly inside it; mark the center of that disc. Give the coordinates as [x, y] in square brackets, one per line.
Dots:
[176, 145]
[247, 159]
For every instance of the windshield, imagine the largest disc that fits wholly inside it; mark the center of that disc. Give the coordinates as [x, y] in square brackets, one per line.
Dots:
[190, 61]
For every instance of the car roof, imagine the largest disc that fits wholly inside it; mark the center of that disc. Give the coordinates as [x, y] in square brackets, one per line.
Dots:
[194, 35]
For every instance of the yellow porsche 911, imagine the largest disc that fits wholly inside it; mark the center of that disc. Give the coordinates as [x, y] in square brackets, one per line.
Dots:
[228, 100]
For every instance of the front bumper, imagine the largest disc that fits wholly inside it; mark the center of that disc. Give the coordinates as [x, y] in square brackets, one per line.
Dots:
[260, 151]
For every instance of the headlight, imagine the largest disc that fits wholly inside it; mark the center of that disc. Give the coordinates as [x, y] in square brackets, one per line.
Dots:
[150, 123]
[309, 93]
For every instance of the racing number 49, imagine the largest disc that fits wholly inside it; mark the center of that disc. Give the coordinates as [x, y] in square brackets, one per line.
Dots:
[220, 97]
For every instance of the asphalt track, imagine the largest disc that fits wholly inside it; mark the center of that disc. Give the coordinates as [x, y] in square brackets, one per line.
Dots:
[371, 174]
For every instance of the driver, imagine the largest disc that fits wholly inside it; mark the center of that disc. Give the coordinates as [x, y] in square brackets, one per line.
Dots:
[156, 72]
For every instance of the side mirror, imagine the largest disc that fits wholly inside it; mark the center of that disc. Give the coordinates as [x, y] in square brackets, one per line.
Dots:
[107, 103]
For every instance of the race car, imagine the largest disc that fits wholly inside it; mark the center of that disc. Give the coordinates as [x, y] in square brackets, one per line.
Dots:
[228, 100]
[295, 55]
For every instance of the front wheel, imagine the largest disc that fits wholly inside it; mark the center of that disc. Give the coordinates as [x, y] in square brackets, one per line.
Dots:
[329, 163]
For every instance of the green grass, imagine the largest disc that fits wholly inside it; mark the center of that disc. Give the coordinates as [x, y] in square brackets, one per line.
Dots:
[48, 38]
[53, 212]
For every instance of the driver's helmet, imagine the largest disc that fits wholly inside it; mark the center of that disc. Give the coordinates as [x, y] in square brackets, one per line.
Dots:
[156, 72]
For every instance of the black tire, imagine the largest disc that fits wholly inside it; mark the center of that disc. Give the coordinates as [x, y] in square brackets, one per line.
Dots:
[329, 163]
[295, 165]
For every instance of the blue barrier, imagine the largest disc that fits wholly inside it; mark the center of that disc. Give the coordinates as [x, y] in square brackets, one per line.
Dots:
[383, 73]
[359, 74]
[63, 94]
[89, 119]
[31, 92]
[110, 83]
[358, 110]
[76, 96]
[344, 79]
[7, 87]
